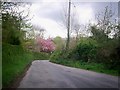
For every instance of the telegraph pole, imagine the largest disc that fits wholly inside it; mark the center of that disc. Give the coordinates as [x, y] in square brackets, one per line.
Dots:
[68, 26]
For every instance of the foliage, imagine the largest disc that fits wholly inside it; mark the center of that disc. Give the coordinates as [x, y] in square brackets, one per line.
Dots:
[41, 56]
[10, 30]
[59, 43]
[86, 49]
[56, 55]
[108, 48]
[99, 35]
[97, 67]
[73, 43]
[13, 23]
[14, 61]
[102, 47]
[15, 58]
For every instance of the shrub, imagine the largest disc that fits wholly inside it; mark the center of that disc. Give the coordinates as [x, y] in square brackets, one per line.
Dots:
[56, 55]
[41, 56]
[86, 50]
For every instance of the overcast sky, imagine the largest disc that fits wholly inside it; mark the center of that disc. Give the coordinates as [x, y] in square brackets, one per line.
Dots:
[48, 15]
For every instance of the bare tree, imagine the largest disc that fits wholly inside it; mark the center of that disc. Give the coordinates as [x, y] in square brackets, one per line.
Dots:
[39, 31]
[106, 20]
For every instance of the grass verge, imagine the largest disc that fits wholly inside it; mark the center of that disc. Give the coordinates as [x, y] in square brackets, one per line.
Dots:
[97, 67]
[14, 61]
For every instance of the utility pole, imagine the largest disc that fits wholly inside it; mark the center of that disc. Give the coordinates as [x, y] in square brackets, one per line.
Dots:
[68, 26]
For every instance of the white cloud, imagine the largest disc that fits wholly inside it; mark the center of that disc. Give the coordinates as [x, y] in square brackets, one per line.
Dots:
[52, 28]
[85, 14]
[45, 15]
[39, 11]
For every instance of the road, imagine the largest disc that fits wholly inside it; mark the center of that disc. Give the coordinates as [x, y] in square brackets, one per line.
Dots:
[44, 74]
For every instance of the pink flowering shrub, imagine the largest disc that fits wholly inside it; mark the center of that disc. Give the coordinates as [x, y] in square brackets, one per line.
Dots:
[45, 45]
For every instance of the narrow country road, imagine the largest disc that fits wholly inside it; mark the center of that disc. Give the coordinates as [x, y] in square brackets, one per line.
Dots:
[44, 74]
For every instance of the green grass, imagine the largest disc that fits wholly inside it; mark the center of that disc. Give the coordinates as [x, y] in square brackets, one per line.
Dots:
[14, 61]
[97, 67]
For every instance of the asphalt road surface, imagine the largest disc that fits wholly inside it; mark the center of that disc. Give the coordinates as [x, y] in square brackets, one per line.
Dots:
[44, 74]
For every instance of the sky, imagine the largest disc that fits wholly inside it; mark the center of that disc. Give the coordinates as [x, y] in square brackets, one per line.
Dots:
[48, 14]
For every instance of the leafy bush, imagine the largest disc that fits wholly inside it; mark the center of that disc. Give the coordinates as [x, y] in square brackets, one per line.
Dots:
[86, 50]
[41, 56]
[11, 29]
[56, 55]
[108, 53]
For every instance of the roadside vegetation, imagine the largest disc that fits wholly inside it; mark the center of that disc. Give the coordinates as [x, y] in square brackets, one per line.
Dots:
[98, 52]
[18, 51]
[91, 55]
[15, 60]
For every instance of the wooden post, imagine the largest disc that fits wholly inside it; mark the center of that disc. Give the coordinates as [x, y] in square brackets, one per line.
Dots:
[68, 27]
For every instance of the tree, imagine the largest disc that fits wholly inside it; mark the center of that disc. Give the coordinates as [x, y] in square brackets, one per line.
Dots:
[45, 45]
[106, 33]
[40, 31]
[106, 21]
[59, 43]
[98, 35]
[13, 23]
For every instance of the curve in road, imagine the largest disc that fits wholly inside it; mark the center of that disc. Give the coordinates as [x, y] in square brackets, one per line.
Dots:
[44, 74]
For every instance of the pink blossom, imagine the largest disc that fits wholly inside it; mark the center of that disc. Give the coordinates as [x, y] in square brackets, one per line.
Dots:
[46, 45]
